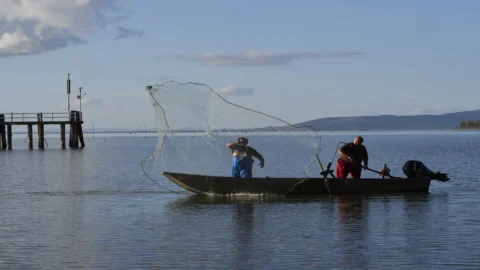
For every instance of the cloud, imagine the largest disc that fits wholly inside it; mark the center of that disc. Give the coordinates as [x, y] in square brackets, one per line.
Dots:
[440, 109]
[87, 102]
[254, 58]
[153, 78]
[411, 98]
[123, 33]
[37, 26]
[90, 102]
[55, 91]
[234, 90]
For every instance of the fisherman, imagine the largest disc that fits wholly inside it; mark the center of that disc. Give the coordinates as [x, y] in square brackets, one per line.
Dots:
[351, 157]
[242, 161]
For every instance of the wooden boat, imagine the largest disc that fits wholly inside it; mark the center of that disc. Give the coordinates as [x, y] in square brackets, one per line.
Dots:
[224, 185]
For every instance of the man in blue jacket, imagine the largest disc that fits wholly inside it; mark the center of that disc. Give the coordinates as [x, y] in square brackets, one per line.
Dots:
[242, 158]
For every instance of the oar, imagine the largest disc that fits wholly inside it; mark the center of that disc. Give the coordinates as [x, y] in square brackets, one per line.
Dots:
[383, 173]
[372, 170]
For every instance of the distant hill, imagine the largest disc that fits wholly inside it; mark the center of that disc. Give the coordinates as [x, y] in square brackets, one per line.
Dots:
[378, 122]
[394, 122]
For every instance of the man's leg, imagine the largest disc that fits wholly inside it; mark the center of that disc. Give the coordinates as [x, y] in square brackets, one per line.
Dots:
[235, 173]
[341, 170]
[355, 171]
[245, 173]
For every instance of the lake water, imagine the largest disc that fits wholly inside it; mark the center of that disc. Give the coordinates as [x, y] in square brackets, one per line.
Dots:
[95, 209]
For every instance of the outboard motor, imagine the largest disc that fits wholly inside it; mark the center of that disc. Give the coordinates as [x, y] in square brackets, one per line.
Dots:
[416, 169]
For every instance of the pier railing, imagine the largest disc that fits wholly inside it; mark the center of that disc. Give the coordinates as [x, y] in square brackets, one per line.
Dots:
[42, 117]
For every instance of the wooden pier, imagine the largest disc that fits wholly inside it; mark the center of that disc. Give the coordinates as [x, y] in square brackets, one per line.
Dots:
[73, 119]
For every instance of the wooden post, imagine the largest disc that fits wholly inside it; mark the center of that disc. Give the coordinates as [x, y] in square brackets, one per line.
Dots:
[73, 129]
[30, 136]
[3, 141]
[80, 130]
[70, 138]
[62, 135]
[9, 136]
[41, 138]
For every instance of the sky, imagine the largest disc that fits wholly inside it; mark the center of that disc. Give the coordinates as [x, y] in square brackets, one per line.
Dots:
[296, 60]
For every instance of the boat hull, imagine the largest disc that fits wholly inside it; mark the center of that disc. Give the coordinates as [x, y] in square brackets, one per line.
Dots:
[223, 185]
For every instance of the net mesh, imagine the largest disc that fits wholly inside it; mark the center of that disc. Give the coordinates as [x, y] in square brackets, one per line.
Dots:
[195, 123]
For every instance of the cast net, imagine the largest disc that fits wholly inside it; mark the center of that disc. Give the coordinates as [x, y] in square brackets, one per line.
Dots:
[195, 123]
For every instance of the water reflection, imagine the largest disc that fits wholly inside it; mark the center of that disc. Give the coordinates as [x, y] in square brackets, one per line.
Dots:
[243, 227]
[350, 208]
[325, 231]
[243, 222]
[351, 230]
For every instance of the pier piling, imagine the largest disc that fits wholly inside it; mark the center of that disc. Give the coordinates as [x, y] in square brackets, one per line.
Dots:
[73, 130]
[30, 136]
[80, 134]
[62, 135]
[3, 139]
[9, 137]
[41, 137]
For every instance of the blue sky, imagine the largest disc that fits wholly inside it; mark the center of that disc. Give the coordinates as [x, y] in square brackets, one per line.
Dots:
[298, 60]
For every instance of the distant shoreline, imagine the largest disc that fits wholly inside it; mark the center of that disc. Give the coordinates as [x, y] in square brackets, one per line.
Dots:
[478, 128]
[139, 132]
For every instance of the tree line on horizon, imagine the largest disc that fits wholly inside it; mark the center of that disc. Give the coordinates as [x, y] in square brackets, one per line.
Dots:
[470, 124]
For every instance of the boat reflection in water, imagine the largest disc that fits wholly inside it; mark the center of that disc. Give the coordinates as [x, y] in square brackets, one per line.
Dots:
[268, 231]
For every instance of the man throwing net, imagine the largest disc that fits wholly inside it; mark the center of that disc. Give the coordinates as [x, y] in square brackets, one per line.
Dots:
[242, 158]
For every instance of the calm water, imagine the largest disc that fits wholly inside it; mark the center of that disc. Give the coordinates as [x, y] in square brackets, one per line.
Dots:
[95, 209]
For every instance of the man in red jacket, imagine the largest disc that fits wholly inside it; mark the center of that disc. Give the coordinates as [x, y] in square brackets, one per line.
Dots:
[351, 157]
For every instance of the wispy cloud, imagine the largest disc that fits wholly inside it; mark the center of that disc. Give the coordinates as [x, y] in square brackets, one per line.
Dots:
[411, 98]
[87, 102]
[153, 78]
[254, 58]
[34, 26]
[91, 102]
[123, 33]
[440, 109]
[234, 90]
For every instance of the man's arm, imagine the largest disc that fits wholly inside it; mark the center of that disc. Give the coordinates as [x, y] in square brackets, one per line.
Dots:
[257, 155]
[260, 157]
[231, 145]
[342, 151]
[365, 157]
[234, 145]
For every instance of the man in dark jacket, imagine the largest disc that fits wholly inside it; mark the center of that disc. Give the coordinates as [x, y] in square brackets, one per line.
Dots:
[351, 157]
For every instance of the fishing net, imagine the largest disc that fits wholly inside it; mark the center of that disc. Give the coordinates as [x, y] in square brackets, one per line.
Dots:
[195, 123]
